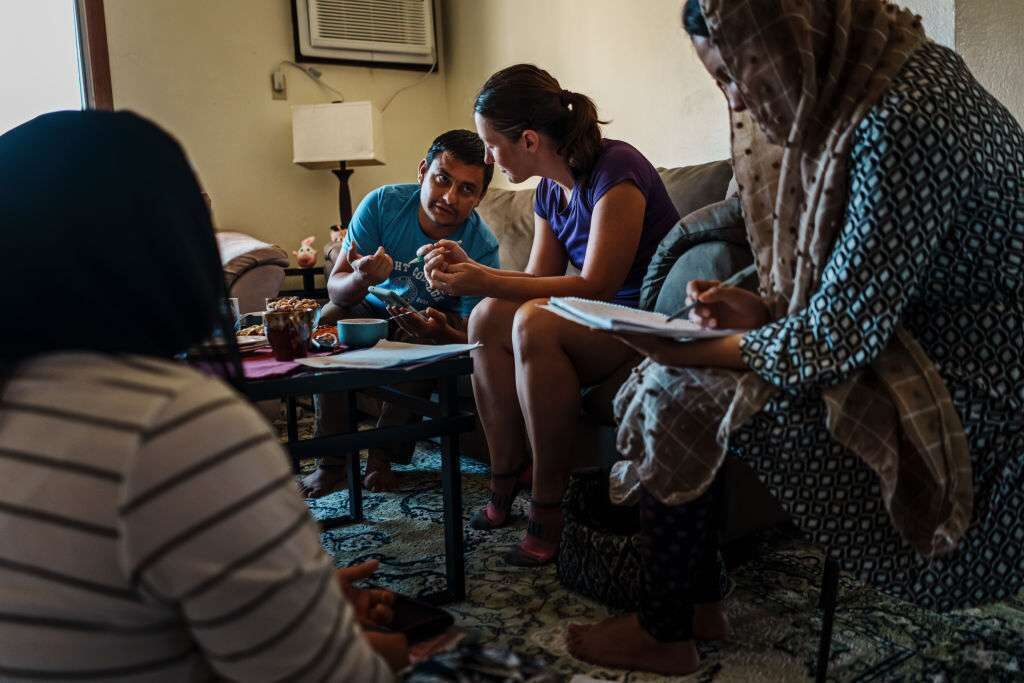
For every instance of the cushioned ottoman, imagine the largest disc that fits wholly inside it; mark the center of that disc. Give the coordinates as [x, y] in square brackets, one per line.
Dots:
[599, 556]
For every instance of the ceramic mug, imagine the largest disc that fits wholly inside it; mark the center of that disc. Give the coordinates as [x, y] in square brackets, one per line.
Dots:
[361, 332]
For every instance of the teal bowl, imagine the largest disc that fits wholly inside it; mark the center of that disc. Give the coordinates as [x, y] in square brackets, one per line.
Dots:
[361, 332]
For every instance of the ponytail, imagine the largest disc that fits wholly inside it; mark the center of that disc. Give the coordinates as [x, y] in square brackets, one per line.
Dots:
[524, 96]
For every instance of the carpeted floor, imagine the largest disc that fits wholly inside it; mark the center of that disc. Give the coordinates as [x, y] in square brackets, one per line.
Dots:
[773, 608]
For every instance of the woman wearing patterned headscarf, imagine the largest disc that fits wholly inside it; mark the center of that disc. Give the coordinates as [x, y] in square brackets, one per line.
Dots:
[878, 389]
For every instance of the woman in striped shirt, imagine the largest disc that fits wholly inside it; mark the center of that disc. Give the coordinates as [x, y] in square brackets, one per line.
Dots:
[151, 527]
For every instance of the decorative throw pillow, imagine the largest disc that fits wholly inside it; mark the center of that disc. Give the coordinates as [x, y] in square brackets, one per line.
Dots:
[691, 187]
[708, 244]
[509, 214]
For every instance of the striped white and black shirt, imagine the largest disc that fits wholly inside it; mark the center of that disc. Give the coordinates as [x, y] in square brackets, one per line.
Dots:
[150, 530]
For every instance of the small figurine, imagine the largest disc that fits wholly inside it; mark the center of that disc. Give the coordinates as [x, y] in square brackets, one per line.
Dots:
[337, 233]
[306, 255]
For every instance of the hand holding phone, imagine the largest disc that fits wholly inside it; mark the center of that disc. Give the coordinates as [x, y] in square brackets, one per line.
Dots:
[417, 620]
[395, 299]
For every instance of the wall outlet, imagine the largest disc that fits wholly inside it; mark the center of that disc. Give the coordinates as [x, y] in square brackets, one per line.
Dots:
[278, 87]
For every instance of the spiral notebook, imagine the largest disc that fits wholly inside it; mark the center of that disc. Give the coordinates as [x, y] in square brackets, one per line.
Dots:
[601, 315]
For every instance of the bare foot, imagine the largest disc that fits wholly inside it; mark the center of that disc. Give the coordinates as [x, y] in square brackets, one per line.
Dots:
[379, 476]
[622, 643]
[322, 481]
[710, 622]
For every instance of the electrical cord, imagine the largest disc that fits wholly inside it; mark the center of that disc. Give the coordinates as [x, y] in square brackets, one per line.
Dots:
[411, 85]
[314, 75]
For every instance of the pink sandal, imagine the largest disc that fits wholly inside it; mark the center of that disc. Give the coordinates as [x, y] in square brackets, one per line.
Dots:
[498, 510]
[540, 546]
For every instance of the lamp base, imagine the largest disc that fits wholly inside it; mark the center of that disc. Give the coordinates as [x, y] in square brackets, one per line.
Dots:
[344, 196]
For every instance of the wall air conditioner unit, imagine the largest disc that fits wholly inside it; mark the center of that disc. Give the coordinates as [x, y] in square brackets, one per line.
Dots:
[383, 33]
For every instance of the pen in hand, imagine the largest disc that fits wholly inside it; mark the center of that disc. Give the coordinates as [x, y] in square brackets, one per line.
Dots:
[732, 281]
[420, 259]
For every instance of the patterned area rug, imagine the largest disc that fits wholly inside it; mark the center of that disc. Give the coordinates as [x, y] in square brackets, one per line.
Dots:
[773, 608]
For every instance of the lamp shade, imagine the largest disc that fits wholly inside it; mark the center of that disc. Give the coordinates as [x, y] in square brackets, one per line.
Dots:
[324, 134]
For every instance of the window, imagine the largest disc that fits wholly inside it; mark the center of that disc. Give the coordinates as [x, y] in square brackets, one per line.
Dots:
[56, 54]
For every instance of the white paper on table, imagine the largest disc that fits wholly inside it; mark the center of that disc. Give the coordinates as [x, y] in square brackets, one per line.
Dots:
[601, 315]
[386, 354]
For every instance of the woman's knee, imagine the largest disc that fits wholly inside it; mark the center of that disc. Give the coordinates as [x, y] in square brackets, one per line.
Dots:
[490, 317]
[534, 327]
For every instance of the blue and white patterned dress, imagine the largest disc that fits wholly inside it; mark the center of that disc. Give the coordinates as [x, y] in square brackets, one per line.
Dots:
[936, 184]
[933, 240]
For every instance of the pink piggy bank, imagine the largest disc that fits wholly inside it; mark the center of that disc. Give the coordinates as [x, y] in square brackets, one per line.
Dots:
[306, 255]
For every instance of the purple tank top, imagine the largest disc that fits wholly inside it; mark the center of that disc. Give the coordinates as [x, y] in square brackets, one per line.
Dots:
[619, 162]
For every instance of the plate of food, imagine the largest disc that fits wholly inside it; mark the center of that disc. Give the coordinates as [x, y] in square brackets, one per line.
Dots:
[250, 342]
[250, 339]
[245, 344]
[325, 338]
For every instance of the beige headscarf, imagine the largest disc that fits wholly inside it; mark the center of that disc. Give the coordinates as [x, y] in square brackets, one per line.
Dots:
[809, 71]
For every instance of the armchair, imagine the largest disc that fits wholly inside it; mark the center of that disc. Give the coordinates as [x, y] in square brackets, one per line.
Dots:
[253, 270]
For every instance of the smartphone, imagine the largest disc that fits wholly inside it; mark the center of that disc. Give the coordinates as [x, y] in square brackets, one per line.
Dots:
[395, 299]
[418, 620]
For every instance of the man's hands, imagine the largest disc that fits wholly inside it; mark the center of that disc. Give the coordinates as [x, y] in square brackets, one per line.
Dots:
[726, 307]
[372, 269]
[434, 328]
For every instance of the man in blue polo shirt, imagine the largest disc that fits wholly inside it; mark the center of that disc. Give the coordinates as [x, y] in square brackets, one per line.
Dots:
[389, 226]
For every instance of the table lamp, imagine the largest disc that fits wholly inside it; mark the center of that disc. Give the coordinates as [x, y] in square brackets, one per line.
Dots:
[337, 136]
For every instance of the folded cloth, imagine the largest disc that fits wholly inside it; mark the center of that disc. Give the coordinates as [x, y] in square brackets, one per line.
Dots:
[261, 364]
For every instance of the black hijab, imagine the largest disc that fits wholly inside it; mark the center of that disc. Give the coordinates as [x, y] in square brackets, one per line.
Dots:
[109, 244]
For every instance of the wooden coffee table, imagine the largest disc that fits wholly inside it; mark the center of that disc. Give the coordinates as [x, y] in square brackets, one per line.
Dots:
[446, 421]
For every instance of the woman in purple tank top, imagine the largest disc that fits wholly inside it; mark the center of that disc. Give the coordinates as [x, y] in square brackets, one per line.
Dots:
[600, 206]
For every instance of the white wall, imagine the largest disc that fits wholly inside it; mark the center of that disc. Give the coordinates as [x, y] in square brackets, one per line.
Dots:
[632, 58]
[989, 37]
[987, 34]
[938, 17]
[201, 69]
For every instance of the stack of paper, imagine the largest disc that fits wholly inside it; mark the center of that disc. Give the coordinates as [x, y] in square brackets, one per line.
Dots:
[387, 354]
[601, 315]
